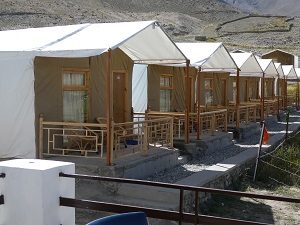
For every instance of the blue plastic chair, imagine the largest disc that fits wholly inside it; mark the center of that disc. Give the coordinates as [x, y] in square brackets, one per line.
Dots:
[132, 218]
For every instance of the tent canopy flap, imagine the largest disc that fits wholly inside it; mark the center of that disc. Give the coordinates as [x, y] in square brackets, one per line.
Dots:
[142, 41]
[268, 67]
[247, 63]
[208, 56]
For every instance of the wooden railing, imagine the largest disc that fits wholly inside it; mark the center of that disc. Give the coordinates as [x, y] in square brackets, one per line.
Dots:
[291, 100]
[138, 136]
[209, 121]
[270, 106]
[70, 138]
[248, 113]
[89, 139]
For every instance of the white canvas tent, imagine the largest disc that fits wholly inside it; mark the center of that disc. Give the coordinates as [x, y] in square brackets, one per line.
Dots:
[280, 76]
[268, 67]
[247, 63]
[143, 42]
[208, 56]
[279, 70]
[203, 55]
[289, 72]
[297, 72]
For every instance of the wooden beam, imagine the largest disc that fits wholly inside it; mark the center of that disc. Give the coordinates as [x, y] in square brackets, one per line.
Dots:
[199, 101]
[109, 110]
[187, 103]
[285, 91]
[41, 137]
[297, 99]
[237, 100]
[262, 98]
[278, 100]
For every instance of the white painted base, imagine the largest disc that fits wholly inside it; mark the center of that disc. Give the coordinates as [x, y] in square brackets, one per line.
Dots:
[31, 190]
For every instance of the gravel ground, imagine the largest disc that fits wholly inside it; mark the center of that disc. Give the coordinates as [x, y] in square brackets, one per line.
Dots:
[195, 165]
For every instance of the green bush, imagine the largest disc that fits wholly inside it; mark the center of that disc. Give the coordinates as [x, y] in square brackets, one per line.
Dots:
[286, 158]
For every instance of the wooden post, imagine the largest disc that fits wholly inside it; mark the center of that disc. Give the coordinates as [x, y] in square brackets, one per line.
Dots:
[109, 111]
[262, 98]
[278, 103]
[41, 137]
[259, 149]
[187, 103]
[285, 92]
[198, 105]
[297, 103]
[171, 132]
[226, 122]
[145, 139]
[254, 114]
[247, 115]
[213, 124]
[237, 101]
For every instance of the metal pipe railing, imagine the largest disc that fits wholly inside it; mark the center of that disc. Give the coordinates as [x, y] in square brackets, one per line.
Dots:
[183, 187]
[179, 215]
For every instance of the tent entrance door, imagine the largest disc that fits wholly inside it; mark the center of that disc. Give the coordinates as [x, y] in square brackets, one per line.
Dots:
[119, 97]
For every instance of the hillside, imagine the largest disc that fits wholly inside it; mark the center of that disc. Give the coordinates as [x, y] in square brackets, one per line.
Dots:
[183, 20]
[274, 7]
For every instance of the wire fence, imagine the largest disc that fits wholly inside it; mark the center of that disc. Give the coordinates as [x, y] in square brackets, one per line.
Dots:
[282, 164]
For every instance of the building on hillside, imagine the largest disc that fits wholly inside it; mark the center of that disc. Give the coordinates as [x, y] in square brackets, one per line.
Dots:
[283, 57]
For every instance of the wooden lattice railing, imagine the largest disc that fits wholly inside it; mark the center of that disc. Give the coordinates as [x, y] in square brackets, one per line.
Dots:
[89, 139]
[144, 132]
[291, 100]
[70, 138]
[248, 113]
[209, 121]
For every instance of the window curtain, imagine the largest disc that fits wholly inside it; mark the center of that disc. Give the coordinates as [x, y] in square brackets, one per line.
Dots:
[74, 102]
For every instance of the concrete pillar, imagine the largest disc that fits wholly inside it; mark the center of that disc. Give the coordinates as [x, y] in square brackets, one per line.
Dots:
[31, 190]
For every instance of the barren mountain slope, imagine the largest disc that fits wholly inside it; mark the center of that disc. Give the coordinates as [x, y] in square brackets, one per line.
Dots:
[180, 18]
[275, 7]
[184, 20]
[33, 13]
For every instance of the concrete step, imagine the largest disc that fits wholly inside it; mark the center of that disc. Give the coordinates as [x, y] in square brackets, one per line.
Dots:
[207, 144]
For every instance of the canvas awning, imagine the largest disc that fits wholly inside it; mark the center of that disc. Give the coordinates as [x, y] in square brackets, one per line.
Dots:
[289, 72]
[247, 63]
[208, 56]
[279, 69]
[143, 42]
[268, 67]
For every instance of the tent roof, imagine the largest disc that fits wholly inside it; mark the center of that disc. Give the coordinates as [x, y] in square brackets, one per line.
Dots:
[143, 42]
[297, 72]
[290, 72]
[279, 69]
[208, 56]
[247, 63]
[268, 67]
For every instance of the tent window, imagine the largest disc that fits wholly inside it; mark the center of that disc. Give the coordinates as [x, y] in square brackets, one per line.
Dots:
[75, 96]
[166, 88]
[208, 86]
